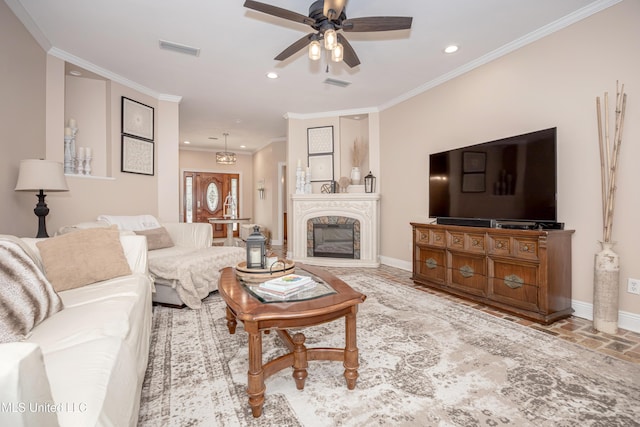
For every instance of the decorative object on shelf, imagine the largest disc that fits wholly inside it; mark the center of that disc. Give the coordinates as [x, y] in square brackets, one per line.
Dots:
[41, 175]
[606, 281]
[300, 179]
[225, 157]
[369, 183]
[344, 183]
[307, 185]
[70, 146]
[229, 207]
[358, 153]
[87, 160]
[137, 119]
[137, 156]
[261, 189]
[256, 249]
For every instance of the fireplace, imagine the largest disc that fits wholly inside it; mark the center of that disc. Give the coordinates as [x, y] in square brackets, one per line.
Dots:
[337, 229]
[333, 237]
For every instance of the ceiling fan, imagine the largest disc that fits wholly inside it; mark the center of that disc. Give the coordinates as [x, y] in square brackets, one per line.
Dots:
[326, 17]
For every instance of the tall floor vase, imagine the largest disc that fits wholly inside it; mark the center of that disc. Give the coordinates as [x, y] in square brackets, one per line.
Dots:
[606, 285]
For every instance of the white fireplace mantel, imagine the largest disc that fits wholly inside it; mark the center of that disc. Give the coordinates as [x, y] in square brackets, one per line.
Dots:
[364, 207]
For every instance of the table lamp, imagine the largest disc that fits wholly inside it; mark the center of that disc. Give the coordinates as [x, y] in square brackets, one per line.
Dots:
[41, 176]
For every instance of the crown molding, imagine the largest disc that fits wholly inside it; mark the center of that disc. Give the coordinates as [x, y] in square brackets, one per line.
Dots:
[541, 32]
[325, 114]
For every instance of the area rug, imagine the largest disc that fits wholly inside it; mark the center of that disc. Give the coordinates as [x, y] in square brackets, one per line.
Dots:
[424, 361]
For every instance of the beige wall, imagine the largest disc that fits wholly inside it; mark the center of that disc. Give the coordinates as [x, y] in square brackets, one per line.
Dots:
[552, 82]
[265, 167]
[205, 161]
[22, 120]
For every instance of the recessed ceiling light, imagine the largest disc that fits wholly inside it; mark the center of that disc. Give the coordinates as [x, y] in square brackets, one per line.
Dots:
[75, 73]
[451, 48]
[187, 142]
[272, 75]
[243, 146]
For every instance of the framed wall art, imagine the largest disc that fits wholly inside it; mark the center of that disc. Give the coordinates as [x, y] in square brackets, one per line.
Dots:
[137, 156]
[320, 140]
[137, 119]
[321, 167]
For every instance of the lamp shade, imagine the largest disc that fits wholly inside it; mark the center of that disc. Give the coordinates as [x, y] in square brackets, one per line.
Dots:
[35, 175]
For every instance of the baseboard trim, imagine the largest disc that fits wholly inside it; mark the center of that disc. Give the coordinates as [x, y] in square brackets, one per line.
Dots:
[584, 310]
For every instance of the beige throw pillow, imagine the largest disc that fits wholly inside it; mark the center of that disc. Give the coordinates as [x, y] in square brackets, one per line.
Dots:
[83, 257]
[157, 238]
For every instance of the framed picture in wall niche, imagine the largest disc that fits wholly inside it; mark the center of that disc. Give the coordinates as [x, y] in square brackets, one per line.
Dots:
[137, 119]
[137, 156]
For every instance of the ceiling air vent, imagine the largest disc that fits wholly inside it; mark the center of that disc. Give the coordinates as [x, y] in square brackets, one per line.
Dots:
[181, 48]
[339, 83]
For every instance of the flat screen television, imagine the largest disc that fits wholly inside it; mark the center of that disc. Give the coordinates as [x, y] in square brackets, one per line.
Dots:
[507, 180]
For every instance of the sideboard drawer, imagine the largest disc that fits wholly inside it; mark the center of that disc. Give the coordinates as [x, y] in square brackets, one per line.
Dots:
[467, 272]
[430, 264]
[514, 284]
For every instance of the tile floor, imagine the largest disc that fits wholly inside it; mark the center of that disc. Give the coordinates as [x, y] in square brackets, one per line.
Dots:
[624, 345]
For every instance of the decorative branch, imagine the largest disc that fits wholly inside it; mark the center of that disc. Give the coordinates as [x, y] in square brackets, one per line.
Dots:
[358, 152]
[609, 156]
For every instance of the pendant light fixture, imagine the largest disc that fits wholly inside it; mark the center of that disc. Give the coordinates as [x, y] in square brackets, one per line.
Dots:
[225, 157]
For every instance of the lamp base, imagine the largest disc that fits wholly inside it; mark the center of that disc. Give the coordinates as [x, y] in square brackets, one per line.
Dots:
[41, 211]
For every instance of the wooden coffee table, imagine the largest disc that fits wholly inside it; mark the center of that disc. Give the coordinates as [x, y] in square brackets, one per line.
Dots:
[258, 316]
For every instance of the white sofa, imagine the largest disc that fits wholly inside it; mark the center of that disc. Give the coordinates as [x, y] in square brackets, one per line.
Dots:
[85, 364]
[188, 268]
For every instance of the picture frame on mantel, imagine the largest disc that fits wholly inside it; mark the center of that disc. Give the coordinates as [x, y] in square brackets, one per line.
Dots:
[137, 156]
[137, 119]
[320, 140]
[321, 167]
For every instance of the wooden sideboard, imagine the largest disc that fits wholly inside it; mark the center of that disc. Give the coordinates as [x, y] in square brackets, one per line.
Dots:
[525, 272]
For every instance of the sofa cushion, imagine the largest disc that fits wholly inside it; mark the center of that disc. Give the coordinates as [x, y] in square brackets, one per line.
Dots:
[131, 222]
[26, 296]
[83, 257]
[23, 382]
[157, 238]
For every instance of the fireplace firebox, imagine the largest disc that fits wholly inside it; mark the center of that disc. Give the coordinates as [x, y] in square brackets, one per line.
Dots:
[333, 240]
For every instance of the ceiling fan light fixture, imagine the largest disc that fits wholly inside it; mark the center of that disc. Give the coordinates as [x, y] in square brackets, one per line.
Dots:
[330, 39]
[225, 157]
[315, 50]
[337, 53]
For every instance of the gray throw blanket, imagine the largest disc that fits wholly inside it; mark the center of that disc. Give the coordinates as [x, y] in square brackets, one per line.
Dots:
[26, 296]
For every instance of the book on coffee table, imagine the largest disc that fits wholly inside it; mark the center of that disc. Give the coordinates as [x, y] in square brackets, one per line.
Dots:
[287, 283]
[288, 293]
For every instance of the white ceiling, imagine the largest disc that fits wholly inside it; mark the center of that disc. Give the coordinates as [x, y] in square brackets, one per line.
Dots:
[225, 88]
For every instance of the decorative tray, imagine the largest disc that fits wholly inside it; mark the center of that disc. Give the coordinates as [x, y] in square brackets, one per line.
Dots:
[281, 267]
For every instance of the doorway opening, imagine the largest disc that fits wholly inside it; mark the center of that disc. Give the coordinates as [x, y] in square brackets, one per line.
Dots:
[204, 198]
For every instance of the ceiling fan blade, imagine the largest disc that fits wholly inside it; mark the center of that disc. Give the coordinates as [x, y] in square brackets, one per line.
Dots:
[349, 54]
[278, 12]
[295, 47]
[377, 23]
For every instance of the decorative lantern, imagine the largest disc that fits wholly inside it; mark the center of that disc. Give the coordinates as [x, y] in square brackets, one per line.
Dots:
[256, 249]
[370, 183]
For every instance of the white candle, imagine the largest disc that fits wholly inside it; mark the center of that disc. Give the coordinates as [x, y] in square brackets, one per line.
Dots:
[67, 131]
[87, 152]
[81, 153]
[299, 163]
[72, 123]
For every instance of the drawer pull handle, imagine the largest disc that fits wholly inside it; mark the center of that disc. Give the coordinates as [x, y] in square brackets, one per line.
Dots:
[513, 281]
[475, 242]
[466, 271]
[456, 240]
[431, 263]
[499, 245]
[438, 238]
